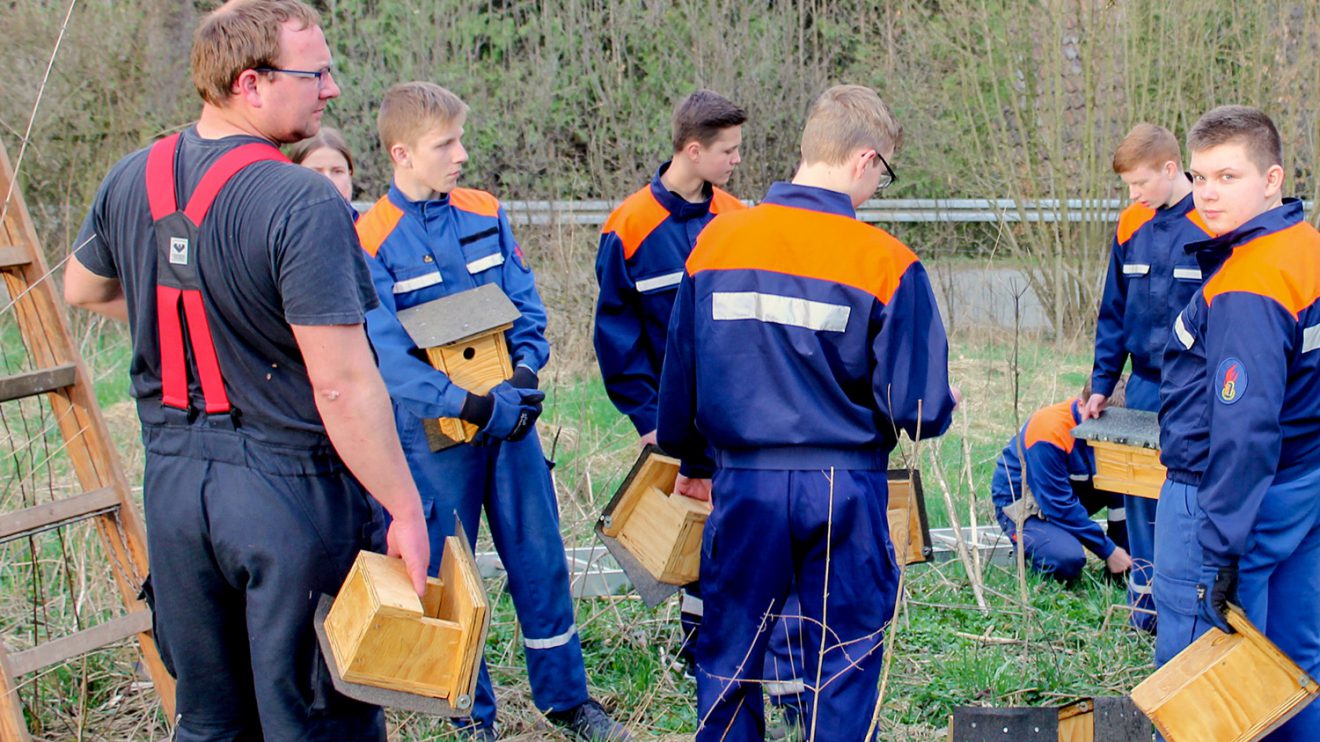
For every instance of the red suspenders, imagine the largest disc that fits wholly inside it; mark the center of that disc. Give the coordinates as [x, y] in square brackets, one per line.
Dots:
[178, 283]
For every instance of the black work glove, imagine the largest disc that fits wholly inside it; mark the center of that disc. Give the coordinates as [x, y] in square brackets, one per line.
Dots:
[505, 413]
[1214, 592]
[524, 378]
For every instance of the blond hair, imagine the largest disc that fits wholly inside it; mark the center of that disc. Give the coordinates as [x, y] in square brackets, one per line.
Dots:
[241, 35]
[1243, 125]
[410, 109]
[844, 119]
[1148, 145]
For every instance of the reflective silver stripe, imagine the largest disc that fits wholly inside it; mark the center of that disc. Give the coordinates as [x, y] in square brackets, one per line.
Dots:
[1136, 269]
[692, 605]
[783, 310]
[490, 261]
[1079, 477]
[1194, 273]
[552, 642]
[420, 282]
[1310, 338]
[659, 282]
[785, 687]
[1139, 589]
[1117, 514]
[1180, 329]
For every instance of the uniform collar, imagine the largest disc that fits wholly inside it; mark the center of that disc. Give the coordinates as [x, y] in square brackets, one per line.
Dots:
[1275, 220]
[810, 197]
[1180, 209]
[416, 208]
[679, 208]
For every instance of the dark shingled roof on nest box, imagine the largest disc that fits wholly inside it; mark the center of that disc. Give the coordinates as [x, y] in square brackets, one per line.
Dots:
[456, 317]
[1122, 426]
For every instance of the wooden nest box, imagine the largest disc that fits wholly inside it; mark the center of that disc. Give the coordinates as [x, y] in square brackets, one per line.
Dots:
[662, 530]
[1227, 687]
[382, 635]
[908, 528]
[463, 336]
[1127, 451]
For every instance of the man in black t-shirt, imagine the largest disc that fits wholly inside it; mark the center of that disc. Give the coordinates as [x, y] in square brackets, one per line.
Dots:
[263, 415]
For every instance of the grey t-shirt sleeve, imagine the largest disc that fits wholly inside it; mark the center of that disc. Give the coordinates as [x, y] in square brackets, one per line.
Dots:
[320, 268]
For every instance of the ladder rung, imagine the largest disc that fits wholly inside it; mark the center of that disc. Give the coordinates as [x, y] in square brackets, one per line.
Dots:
[46, 516]
[32, 383]
[12, 257]
[77, 644]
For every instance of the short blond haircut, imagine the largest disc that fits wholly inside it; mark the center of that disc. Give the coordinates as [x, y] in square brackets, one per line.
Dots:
[847, 118]
[411, 109]
[241, 35]
[1146, 145]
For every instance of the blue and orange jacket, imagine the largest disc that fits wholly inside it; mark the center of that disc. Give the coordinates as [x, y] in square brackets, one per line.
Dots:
[643, 247]
[419, 251]
[1056, 462]
[1151, 278]
[1258, 317]
[801, 338]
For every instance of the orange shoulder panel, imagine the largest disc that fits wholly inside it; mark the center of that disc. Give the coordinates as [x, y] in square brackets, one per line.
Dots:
[635, 219]
[1283, 266]
[1131, 220]
[476, 202]
[1052, 424]
[1194, 217]
[375, 225]
[800, 242]
[723, 202]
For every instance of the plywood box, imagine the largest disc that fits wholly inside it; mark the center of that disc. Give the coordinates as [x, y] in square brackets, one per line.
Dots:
[1126, 447]
[662, 530]
[1229, 687]
[383, 635]
[908, 528]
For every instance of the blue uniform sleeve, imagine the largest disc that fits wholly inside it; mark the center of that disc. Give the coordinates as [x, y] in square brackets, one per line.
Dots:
[1110, 353]
[911, 356]
[412, 382]
[677, 432]
[1047, 476]
[630, 380]
[527, 343]
[1248, 338]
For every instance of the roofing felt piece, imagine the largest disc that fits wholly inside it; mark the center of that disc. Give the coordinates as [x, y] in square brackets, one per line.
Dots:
[1122, 426]
[456, 317]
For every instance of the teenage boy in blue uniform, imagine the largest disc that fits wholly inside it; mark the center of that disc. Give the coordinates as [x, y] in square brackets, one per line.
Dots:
[264, 419]
[643, 246]
[426, 239]
[1056, 519]
[802, 342]
[1151, 278]
[1257, 322]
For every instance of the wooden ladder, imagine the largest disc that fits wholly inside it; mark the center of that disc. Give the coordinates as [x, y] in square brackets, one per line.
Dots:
[61, 375]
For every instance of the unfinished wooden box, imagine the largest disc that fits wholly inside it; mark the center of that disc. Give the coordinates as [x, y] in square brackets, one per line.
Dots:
[1126, 446]
[1098, 719]
[1225, 687]
[662, 530]
[908, 527]
[463, 336]
[382, 635]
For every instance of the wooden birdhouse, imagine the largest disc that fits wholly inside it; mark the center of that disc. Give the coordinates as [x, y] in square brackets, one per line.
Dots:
[1127, 451]
[383, 635]
[1229, 687]
[463, 336]
[908, 528]
[660, 529]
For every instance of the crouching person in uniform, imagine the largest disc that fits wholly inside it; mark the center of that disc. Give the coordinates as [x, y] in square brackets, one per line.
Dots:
[802, 341]
[1256, 323]
[1056, 499]
[264, 418]
[426, 239]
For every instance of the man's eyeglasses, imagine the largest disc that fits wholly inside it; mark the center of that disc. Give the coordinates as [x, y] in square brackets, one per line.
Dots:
[319, 75]
[890, 177]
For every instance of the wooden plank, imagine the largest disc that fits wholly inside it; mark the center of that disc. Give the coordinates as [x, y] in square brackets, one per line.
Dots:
[32, 383]
[12, 724]
[75, 645]
[12, 256]
[1130, 470]
[53, 514]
